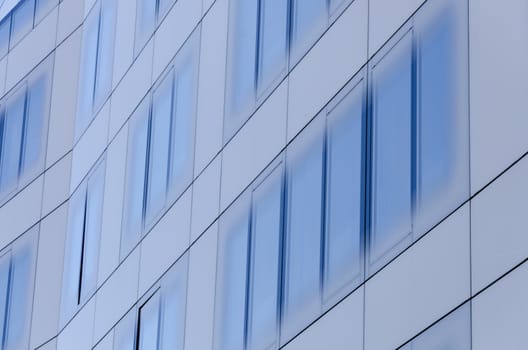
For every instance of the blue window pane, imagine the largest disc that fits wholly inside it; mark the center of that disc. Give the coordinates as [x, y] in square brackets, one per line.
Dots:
[105, 52]
[392, 149]
[92, 231]
[265, 258]
[174, 296]
[336, 5]
[309, 19]
[301, 299]
[136, 177]
[37, 111]
[159, 148]
[163, 8]
[22, 21]
[344, 230]
[242, 58]
[125, 332]
[43, 7]
[87, 71]
[145, 22]
[12, 141]
[73, 253]
[231, 293]
[21, 294]
[5, 278]
[273, 41]
[182, 149]
[5, 28]
[451, 333]
[149, 315]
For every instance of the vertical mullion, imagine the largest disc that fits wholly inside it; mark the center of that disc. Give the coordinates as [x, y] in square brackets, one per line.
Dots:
[414, 132]
[23, 133]
[249, 267]
[146, 170]
[3, 335]
[322, 253]
[258, 46]
[97, 57]
[172, 124]
[282, 252]
[83, 243]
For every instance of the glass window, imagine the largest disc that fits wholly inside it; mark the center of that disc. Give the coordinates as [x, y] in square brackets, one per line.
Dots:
[159, 147]
[174, 300]
[242, 58]
[22, 20]
[43, 7]
[136, 177]
[105, 52]
[266, 229]
[310, 17]
[344, 192]
[392, 180]
[36, 120]
[5, 278]
[232, 279]
[12, 141]
[5, 28]
[335, 5]
[183, 122]
[163, 8]
[145, 22]
[302, 284]
[273, 41]
[149, 318]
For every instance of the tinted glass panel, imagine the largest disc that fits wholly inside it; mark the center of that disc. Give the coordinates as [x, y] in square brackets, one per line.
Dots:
[43, 7]
[125, 332]
[301, 299]
[149, 315]
[37, 112]
[92, 234]
[163, 8]
[392, 149]
[145, 22]
[309, 19]
[273, 39]
[183, 130]
[12, 141]
[231, 296]
[105, 53]
[5, 278]
[5, 27]
[174, 296]
[22, 21]
[265, 258]
[159, 148]
[344, 231]
[136, 177]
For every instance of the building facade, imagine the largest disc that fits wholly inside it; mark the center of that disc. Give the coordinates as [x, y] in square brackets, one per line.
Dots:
[263, 174]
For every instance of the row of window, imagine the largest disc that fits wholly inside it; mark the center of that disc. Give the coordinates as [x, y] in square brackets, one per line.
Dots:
[23, 129]
[158, 322]
[161, 146]
[81, 261]
[15, 25]
[17, 270]
[97, 61]
[385, 161]
[267, 37]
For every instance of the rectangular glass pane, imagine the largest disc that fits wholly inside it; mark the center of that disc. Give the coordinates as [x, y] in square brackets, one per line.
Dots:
[273, 41]
[174, 297]
[145, 22]
[22, 21]
[5, 29]
[73, 253]
[344, 195]
[20, 304]
[266, 227]
[392, 149]
[125, 332]
[5, 278]
[36, 118]
[163, 8]
[302, 285]
[242, 63]
[12, 141]
[310, 18]
[43, 7]
[182, 149]
[159, 148]
[336, 5]
[105, 52]
[87, 71]
[136, 178]
[92, 231]
[231, 286]
[149, 319]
